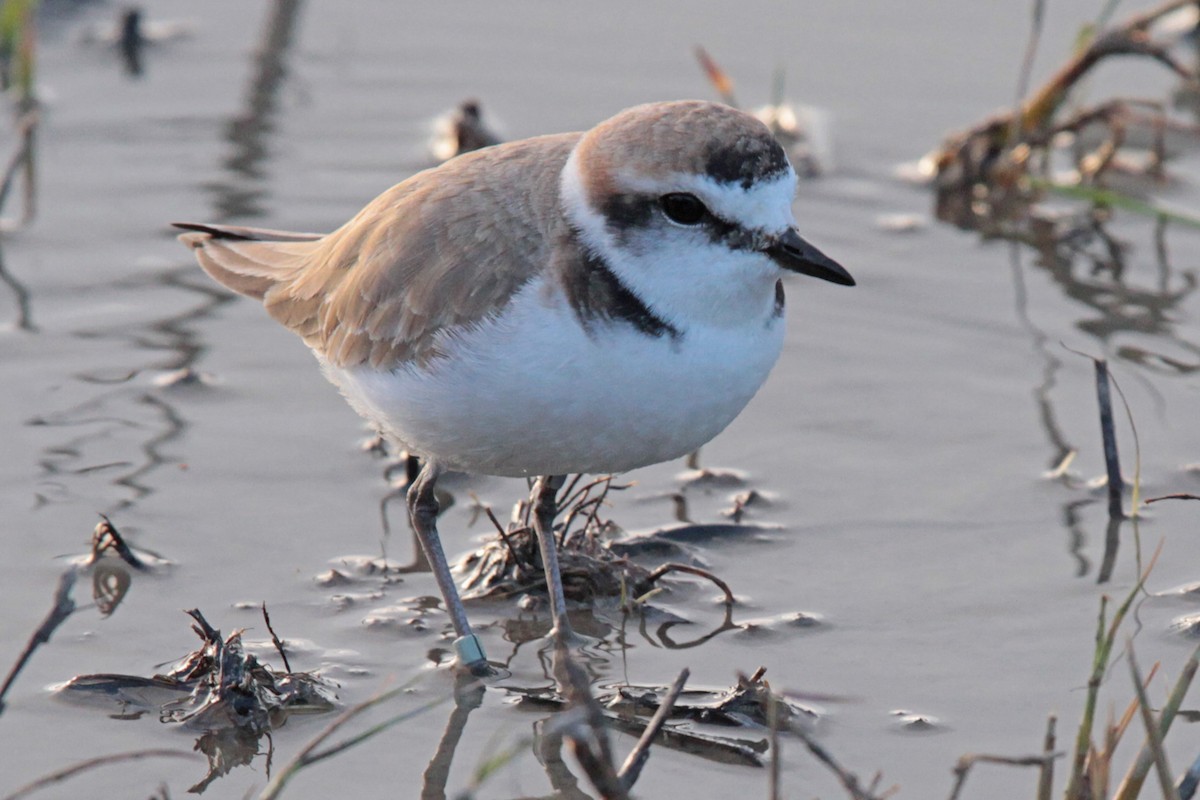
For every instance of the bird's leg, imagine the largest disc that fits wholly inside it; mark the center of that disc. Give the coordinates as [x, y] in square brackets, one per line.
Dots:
[545, 508]
[423, 511]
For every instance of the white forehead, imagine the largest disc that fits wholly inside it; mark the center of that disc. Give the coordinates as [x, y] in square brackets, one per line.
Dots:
[766, 204]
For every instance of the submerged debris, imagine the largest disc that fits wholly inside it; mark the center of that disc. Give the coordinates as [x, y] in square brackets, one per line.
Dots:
[1188, 625]
[217, 687]
[220, 690]
[1187, 591]
[745, 706]
[916, 722]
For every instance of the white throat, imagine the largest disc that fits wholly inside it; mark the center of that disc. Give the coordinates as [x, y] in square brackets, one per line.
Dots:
[679, 272]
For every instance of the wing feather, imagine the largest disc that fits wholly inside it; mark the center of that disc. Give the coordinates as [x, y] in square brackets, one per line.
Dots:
[442, 250]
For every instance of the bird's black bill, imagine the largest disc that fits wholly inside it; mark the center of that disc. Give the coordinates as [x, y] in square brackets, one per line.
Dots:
[793, 253]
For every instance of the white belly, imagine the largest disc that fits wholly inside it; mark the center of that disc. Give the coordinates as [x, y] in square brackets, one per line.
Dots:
[531, 393]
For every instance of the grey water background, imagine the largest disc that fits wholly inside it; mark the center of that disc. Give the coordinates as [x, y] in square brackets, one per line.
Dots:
[902, 439]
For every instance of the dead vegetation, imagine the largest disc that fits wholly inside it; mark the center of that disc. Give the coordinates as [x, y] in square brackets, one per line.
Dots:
[216, 687]
[235, 700]
[674, 717]
[592, 570]
[227, 694]
[997, 176]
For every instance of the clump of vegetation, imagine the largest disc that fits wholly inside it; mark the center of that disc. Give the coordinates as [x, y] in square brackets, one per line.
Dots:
[219, 689]
[592, 569]
[994, 176]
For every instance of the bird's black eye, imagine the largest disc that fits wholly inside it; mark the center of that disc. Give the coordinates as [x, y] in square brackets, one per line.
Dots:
[684, 208]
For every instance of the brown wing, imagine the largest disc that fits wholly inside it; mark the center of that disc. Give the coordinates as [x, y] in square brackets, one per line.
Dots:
[444, 249]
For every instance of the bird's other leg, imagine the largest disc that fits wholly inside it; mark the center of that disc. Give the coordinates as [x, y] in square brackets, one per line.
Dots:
[422, 512]
[545, 507]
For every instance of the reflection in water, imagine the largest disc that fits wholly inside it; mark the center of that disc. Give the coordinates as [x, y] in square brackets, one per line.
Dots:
[114, 416]
[20, 294]
[607, 639]
[1051, 365]
[664, 629]
[131, 42]
[132, 36]
[1121, 309]
[239, 195]
[228, 749]
[123, 406]
[123, 410]
[170, 426]
[468, 696]
[549, 744]
[1076, 538]
[594, 657]
[1089, 268]
[585, 720]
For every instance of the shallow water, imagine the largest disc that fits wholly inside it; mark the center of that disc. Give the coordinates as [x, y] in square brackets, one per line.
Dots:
[901, 440]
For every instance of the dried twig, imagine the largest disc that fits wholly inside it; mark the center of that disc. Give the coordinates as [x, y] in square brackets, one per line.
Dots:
[585, 728]
[1176, 496]
[1046, 776]
[724, 86]
[848, 779]
[22, 161]
[92, 763]
[309, 754]
[1131, 785]
[645, 585]
[964, 765]
[64, 606]
[275, 640]
[1031, 46]
[637, 757]
[1153, 731]
[1112, 461]
[504, 538]
[776, 764]
[990, 176]
[106, 537]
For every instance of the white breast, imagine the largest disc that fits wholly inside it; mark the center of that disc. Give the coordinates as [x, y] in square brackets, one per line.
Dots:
[532, 393]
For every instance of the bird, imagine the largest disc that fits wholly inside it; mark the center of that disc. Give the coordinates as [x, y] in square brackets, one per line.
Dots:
[461, 131]
[588, 302]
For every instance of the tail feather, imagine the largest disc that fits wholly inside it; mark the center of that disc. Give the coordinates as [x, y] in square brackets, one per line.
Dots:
[247, 260]
[247, 234]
